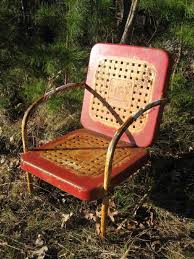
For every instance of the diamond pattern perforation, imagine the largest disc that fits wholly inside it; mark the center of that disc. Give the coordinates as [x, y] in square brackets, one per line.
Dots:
[85, 154]
[126, 84]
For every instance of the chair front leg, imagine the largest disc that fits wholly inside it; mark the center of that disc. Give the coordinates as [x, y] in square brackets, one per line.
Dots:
[104, 213]
[105, 200]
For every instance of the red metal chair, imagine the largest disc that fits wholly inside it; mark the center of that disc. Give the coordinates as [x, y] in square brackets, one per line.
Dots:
[123, 84]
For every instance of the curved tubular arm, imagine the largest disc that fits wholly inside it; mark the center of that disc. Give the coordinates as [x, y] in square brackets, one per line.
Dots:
[117, 136]
[34, 105]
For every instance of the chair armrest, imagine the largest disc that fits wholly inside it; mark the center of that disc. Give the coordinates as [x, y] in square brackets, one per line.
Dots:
[117, 136]
[41, 100]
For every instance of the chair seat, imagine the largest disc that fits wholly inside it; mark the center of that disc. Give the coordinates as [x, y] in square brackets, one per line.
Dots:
[75, 163]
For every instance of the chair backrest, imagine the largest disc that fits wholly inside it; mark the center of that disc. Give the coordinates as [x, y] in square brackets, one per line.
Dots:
[125, 78]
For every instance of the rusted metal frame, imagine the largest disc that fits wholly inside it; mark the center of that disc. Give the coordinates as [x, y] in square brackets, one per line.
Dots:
[110, 155]
[30, 111]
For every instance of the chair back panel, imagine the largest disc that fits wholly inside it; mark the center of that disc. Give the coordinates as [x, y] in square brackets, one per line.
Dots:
[124, 78]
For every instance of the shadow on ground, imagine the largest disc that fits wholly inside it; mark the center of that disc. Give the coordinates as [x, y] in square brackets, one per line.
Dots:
[173, 187]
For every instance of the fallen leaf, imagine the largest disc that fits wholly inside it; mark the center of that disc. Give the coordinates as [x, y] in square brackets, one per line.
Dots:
[141, 226]
[112, 204]
[11, 139]
[40, 253]
[90, 216]
[98, 213]
[39, 241]
[121, 225]
[98, 228]
[131, 225]
[112, 214]
[2, 160]
[3, 243]
[156, 245]
[65, 218]
[151, 218]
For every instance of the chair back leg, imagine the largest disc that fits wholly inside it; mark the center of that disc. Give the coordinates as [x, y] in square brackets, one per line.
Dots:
[29, 182]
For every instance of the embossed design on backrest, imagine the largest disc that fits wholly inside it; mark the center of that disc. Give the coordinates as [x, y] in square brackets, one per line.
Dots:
[126, 84]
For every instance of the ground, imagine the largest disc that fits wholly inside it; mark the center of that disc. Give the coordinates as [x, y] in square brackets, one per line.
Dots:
[151, 215]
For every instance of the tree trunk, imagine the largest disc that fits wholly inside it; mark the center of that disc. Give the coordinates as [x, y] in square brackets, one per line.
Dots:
[129, 23]
[122, 11]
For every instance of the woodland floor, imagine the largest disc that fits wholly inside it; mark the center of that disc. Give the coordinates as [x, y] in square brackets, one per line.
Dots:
[151, 216]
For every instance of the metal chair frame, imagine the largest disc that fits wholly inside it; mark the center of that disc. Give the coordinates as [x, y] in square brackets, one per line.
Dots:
[111, 148]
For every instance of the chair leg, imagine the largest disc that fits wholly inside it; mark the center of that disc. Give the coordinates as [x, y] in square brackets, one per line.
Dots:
[29, 182]
[104, 212]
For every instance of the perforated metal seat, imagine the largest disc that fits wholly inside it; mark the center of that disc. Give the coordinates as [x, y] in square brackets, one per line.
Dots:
[122, 108]
[75, 163]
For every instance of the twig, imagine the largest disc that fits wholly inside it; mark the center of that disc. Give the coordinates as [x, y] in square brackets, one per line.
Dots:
[140, 203]
[154, 33]
[4, 243]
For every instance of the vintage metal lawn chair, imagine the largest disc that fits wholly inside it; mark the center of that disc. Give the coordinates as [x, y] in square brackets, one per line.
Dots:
[121, 113]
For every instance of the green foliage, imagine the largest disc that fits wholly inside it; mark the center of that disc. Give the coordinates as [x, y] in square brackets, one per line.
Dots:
[181, 94]
[178, 17]
[101, 21]
[174, 31]
[171, 10]
[77, 12]
[68, 99]
[34, 88]
[40, 41]
[184, 32]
